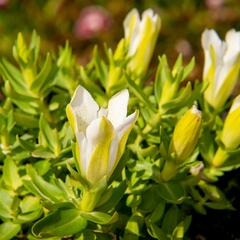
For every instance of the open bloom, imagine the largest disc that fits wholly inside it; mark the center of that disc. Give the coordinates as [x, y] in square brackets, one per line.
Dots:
[101, 133]
[186, 134]
[221, 65]
[141, 36]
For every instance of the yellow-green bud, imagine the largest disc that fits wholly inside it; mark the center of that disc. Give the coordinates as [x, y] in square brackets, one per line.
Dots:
[231, 129]
[186, 134]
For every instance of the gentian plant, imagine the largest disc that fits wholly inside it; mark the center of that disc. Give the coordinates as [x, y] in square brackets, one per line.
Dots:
[98, 152]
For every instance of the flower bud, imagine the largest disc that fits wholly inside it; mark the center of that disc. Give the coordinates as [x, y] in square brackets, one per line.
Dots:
[186, 134]
[141, 35]
[221, 67]
[231, 129]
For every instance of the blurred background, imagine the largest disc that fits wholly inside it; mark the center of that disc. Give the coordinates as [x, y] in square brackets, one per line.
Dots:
[85, 23]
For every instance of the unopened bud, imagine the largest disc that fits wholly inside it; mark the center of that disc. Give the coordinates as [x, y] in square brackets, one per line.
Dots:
[186, 134]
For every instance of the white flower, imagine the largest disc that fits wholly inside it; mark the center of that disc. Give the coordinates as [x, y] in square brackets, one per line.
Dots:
[221, 65]
[141, 35]
[101, 133]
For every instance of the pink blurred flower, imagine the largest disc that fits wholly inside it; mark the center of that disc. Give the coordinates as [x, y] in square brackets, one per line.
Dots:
[213, 4]
[91, 22]
[3, 3]
[184, 47]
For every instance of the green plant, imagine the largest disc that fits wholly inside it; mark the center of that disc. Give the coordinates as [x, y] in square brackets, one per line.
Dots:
[92, 177]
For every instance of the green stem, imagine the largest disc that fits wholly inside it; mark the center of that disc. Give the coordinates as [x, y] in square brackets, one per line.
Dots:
[90, 199]
[169, 170]
[220, 157]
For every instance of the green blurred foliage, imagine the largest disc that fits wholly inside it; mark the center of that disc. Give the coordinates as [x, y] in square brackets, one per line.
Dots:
[55, 21]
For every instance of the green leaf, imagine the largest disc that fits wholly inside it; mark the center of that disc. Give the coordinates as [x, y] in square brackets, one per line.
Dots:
[181, 228]
[25, 143]
[189, 68]
[114, 197]
[61, 223]
[171, 219]
[101, 67]
[48, 137]
[25, 120]
[171, 192]
[28, 217]
[42, 77]
[10, 174]
[6, 201]
[13, 75]
[178, 65]
[46, 190]
[29, 204]
[181, 101]
[41, 152]
[133, 227]
[158, 212]
[90, 85]
[140, 95]
[100, 217]
[8, 230]
[156, 232]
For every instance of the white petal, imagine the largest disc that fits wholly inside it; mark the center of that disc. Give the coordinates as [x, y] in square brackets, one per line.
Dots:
[126, 123]
[120, 131]
[84, 108]
[149, 12]
[220, 75]
[131, 23]
[117, 107]
[92, 136]
[236, 104]
[82, 145]
[233, 46]
[96, 135]
[211, 39]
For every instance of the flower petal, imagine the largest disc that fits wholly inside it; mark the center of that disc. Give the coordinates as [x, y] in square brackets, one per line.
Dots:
[210, 39]
[117, 107]
[81, 147]
[233, 46]
[83, 108]
[235, 104]
[119, 141]
[99, 134]
[130, 24]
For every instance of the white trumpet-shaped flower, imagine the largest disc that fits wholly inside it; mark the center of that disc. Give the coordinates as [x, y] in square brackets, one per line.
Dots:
[221, 67]
[141, 36]
[101, 133]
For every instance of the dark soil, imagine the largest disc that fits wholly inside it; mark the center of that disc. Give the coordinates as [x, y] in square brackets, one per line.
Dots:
[220, 224]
